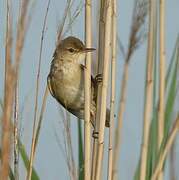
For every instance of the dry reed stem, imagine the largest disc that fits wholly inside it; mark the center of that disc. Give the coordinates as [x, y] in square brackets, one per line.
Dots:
[60, 29]
[23, 21]
[21, 32]
[41, 116]
[100, 65]
[113, 85]
[120, 117]
[73, 16]
[87, 126]
[135, 39]
[67, 135]
[64, 152]
[161, 110]
[32, 154]
[8, 100]
[11, 77]
[149, 93]
[167, 148]
[107, 48]
[16, 133]
[69, 148]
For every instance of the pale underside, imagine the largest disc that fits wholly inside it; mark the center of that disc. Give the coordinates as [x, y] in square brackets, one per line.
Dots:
[66, 84]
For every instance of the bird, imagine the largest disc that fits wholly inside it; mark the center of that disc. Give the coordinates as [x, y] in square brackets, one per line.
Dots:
[66, 78]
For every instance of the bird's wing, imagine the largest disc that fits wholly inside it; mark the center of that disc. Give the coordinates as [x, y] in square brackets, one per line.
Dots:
[93, 85]
[49, 85]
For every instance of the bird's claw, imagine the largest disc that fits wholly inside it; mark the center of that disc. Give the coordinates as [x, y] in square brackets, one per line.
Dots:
[98, 78]
[95, 134]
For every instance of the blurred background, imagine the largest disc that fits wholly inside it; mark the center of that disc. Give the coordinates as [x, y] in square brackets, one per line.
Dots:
[49, 159]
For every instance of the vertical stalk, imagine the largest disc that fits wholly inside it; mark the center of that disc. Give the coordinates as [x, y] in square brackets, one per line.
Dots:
[16, 131]
[33, 145]
[8, 100]
[169, 143]
[148, 94]
[162, 76]
[138, 21]
[100, 65]
[87, 127]
[120, 119]
[102, 119]
[113, 77]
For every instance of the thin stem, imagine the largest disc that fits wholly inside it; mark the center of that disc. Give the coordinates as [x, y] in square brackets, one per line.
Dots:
[120, 119]
[135, 39]
[167, 148]
[149, 93]
[8, 100]
[16, 132]
[161, 110]
[100, 65]
[107, 48]
[87, 127]
[32, 154]
[113, 78]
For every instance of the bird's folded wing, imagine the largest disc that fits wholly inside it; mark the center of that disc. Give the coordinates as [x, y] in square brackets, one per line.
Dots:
[49, 86]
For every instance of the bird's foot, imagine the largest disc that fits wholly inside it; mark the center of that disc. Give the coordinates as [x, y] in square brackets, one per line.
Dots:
[98, 78]
[95, 135]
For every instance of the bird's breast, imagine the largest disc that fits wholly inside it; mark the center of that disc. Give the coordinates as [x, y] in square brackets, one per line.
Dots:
[67, 82]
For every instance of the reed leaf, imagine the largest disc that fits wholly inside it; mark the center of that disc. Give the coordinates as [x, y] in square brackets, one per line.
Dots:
[80, 152]
[26, 161]
[171, 85]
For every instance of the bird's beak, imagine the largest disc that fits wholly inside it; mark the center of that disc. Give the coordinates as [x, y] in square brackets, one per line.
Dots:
[89, 49]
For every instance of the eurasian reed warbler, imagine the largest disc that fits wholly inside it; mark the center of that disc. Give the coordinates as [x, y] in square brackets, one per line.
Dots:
[66, 78]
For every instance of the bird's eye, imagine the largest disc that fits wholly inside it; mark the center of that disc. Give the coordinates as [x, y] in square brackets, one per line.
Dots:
[71, 50]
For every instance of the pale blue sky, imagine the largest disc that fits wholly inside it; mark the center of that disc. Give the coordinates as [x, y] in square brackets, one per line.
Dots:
[49, 161]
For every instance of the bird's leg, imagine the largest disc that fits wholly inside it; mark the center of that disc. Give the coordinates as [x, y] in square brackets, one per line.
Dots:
[95, 133]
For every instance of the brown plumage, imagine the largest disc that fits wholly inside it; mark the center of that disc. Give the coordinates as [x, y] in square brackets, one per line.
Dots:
[66, 78]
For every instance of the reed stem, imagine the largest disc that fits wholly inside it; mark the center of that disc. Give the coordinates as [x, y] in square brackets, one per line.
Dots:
[107, 48]
[161, 110]
[113, 86]
[148, 93]
[87, 127]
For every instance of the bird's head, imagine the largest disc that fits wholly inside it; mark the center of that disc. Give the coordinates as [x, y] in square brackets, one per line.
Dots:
[72, 49]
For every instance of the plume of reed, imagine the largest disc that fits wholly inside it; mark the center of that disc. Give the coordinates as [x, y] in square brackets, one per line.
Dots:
[137, 35]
